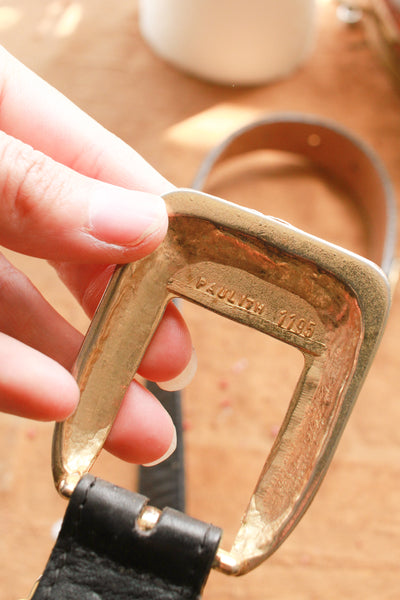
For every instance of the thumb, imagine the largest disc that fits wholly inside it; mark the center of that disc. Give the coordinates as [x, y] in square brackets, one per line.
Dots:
[50, 211]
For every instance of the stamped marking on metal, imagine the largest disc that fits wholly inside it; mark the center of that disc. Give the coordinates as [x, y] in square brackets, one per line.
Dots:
[296, 323]
[230, 295]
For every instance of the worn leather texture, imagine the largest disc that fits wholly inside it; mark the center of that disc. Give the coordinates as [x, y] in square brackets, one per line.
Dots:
[101, 554]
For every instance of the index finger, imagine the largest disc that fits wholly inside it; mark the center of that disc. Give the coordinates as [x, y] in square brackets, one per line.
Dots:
[46, 120]
[52, 124]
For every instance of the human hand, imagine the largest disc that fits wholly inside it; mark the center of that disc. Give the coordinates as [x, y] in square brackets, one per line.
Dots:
[73, 193]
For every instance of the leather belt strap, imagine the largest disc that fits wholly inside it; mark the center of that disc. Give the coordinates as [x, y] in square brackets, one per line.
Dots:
[165, 483]
[103, 553]
[342, 155]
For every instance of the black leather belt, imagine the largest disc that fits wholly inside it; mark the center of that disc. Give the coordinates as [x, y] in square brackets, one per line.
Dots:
[112, 545]
[104, 551]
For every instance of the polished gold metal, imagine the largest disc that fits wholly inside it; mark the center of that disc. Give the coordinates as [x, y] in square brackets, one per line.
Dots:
[329, 303]
[149, 518]
[33, 590]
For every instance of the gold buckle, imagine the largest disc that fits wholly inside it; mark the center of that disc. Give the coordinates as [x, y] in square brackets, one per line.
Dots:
[33, 590]
[329, 303]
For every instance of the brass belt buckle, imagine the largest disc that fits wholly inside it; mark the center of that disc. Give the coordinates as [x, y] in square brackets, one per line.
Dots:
[329, 303]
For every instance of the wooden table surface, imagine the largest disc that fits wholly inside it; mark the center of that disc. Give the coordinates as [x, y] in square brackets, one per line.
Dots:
[348, 544]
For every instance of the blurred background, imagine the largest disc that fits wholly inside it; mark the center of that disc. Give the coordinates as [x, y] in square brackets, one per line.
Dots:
[348, 544]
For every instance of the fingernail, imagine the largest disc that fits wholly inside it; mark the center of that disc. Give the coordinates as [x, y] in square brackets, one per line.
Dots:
[125, 218]
[183, 379]
[168, 453]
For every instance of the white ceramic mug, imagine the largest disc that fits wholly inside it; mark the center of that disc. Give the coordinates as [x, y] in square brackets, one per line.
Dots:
[233, 42]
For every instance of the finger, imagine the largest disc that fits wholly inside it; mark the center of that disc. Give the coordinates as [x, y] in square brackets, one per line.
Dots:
[33, 385]
[51, 123]
[182, 379]
[87, 282]
[73, 138]
[143, 431]
[28, 317]
[170, 350]
[50, 211]
[55, 126]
